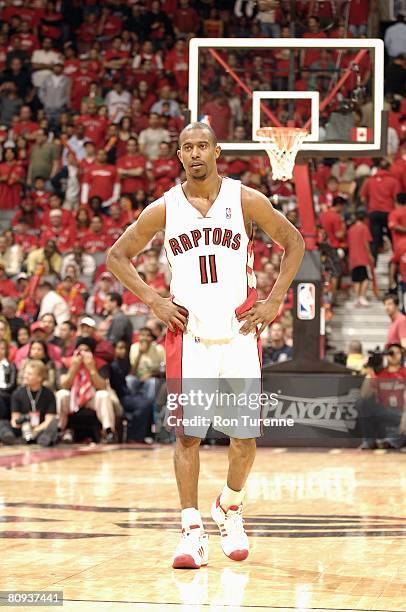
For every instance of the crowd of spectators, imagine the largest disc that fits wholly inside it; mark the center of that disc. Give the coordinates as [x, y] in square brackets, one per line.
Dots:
[92, 98]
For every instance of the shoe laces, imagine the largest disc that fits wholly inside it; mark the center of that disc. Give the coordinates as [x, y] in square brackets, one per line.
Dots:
[234, 522]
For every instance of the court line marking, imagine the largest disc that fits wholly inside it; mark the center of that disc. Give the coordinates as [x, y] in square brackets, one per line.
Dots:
[258, 607]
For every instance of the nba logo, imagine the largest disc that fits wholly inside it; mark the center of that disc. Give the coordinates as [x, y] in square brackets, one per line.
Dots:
[306, 302]
[228, 213]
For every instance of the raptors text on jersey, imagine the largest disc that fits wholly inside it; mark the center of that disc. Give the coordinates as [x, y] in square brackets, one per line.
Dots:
[211, 260]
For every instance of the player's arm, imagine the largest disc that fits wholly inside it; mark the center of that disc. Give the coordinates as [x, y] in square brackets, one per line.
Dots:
[128, 246]
[258, 209]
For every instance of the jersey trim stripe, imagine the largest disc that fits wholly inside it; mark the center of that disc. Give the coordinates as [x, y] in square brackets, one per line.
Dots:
[174, 356]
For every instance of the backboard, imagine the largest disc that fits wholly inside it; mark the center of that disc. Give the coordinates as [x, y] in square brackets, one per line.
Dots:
[331, 86]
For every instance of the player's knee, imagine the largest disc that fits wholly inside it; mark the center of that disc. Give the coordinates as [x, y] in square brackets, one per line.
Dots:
[187, 442]
[243, 447]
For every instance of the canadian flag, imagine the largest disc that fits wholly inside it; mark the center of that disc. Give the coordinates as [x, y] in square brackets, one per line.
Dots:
[361, 134]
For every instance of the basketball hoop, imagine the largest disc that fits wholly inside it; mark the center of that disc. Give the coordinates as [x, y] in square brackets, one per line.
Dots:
[282, 145]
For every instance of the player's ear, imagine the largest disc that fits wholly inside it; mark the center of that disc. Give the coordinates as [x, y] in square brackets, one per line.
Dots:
[179, 154]
[218, 151]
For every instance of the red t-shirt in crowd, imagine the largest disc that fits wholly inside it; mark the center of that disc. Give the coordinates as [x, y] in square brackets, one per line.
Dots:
[397, 217]
[95, 128]
[10, 190]
[68, 219]
[332, 223]
[8, 288]
[380, 191]
[359, 10]
[101, 179]
[358, 235]
[158, 283]
[398, 170]
[390, 387]
[64, 237]
[95, 243]
[80, 88]
[397, 329]
[165, 172]
[130, 184]
[399, 257]
[312, 55]
[220, 117]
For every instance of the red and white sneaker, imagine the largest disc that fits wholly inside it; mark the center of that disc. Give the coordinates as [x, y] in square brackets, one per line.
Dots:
[193, 549]
[234, 540]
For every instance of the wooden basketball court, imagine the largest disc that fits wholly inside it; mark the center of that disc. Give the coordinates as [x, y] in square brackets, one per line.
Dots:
[327, 530]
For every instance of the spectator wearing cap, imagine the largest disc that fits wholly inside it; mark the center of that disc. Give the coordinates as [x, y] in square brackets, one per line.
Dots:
[120, 327]
[38, 332]
[10, 313]
[51, 302]
[54, 93]
[101, 180]
[84, 382]
[11, 256]
[12, 178]
[397, 329]
[43, 159]
[7, 286]
[381, 408]
[58, 232]
[48, 256]
[84, 262]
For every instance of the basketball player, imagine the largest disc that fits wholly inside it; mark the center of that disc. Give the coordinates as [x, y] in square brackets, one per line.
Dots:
[213, 317]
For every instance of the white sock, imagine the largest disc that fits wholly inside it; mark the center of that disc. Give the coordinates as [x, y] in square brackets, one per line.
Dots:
[229, 498]
[191, 516]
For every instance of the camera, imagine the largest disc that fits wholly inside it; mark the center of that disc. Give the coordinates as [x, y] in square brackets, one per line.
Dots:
[26, 429]
[375, 360]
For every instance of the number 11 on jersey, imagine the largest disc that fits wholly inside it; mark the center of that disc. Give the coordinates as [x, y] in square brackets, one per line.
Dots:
[203, 269]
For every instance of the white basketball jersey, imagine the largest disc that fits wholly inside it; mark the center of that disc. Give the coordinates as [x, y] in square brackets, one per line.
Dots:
[211, 260]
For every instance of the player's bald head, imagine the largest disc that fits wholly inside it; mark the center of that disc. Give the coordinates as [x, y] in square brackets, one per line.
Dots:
[198, 125]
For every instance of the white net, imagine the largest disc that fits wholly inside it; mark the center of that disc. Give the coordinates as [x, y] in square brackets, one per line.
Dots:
[282, 145]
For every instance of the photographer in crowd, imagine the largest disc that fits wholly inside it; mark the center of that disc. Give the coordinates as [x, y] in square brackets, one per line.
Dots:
[381, 407]
[33, 410]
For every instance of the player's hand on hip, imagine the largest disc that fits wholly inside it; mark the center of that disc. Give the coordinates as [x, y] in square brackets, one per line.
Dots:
[258, 317]
[171, 314]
